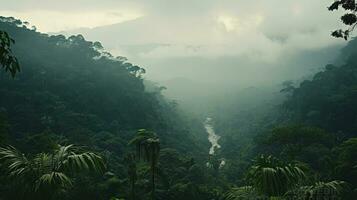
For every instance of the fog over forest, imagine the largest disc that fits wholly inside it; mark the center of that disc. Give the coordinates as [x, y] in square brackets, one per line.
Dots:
[178, 99]
[210, 45]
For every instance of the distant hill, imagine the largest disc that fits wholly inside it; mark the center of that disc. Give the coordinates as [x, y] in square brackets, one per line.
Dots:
[153, 47]
[328, 99]
[75, 88]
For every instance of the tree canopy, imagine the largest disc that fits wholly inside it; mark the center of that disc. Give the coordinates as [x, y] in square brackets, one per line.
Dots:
[7, 60]
[349, 18]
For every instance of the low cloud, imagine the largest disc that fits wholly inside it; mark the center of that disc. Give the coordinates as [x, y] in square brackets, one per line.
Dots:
[182, 38]
[55, 21]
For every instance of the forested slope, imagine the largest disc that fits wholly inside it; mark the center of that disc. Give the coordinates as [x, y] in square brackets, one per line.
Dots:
[310, 122]
[69, 84]
[329, 99]
[71, 91]
[133, 143]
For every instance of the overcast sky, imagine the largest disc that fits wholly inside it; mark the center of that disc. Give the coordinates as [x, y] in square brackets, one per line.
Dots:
[158, 33]
[215, 21]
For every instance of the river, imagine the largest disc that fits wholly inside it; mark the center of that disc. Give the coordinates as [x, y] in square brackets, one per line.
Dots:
[213, 138]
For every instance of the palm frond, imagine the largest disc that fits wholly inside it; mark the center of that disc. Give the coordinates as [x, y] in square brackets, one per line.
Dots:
[319, 191]
[272, 177]
[332, 187]
[43, 163]
[48, 173]
[242, 193]
[14, 161]
[86, 161]
[56, 180]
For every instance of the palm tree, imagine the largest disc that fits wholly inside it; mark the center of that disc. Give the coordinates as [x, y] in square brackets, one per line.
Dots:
[47, 175]
[130, 161]
[148, 148]
[273, 178]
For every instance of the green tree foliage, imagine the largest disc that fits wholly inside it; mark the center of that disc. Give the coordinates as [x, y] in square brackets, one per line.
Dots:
[72, 86]
[349, 18]
[346, 168]
[7, 60]
[319, 191]
[148, 149]
[111, 89]
[300, 135]
[72, 91]
[47, 175]
[241, 193]
[132, 173]
[4, 126]
[310, 145]
[329, 99]
[272, 177]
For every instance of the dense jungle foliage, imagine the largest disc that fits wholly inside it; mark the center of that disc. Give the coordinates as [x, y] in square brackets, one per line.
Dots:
[79, 123]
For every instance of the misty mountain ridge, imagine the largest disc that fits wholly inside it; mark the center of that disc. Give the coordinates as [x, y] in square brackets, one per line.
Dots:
[128, 41]
[205, 106]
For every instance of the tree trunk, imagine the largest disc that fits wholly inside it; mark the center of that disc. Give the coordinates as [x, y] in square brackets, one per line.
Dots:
[152, 179]
[132, 190]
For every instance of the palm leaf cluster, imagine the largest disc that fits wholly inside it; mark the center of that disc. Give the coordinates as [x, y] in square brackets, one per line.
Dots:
[243, 193]
[319, 191]
[271, 177]
[48, 173]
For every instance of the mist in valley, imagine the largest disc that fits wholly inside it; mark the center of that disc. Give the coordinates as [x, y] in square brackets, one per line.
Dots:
[171, 100]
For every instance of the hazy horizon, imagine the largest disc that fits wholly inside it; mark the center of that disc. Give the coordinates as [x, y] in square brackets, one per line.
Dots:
[226, 44]
[178, 99]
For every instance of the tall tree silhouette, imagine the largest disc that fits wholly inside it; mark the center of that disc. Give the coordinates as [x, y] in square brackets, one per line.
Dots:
[131, 164]
[147, 149]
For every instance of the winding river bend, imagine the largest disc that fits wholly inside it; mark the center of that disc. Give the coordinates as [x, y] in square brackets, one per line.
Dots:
[213, 138]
